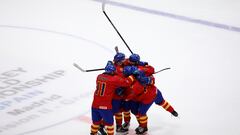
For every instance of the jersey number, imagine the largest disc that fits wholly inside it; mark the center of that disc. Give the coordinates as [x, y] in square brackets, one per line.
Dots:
[101, 86]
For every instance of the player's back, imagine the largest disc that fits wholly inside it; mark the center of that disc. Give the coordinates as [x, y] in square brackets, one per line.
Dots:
[119, 70]
[149, 94]
[105, 89]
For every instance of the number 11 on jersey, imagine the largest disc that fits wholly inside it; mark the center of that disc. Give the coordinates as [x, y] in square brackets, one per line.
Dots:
[101, 86]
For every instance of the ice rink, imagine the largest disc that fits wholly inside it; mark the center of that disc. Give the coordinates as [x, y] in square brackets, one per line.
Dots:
[42, 93]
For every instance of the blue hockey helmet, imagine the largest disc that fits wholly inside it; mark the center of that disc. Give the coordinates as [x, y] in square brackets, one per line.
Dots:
[144, 80]
[119, 57]
[128, 70]
[135, 58]
[110, 68]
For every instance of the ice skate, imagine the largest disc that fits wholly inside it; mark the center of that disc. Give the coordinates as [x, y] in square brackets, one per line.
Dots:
[174, 113]
[121, 131]
[141, 130]
[126, 126]
[102, 130]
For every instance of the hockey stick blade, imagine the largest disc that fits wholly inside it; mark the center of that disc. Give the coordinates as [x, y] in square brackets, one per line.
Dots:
[103, 5]
[89, 70]
[78, 67]
[162, 70]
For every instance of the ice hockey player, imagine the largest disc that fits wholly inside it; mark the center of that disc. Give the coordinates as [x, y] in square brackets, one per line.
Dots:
[120, 106]
[144, 68]
[106, 84]
[145, 93]
[150, 95]
[118, 61]
[118, 102]
[145, 76]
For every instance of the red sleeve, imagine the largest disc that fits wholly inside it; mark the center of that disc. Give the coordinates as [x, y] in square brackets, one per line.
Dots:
[148, 70]
[136, 89]
[148, 95]
[124, 82]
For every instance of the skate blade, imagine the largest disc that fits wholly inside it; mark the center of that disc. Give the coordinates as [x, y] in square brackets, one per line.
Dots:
[124, 133]
[99, 133]
[143, 134]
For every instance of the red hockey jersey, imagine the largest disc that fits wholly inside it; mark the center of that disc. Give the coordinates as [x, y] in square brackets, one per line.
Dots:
[105, 89]
[119, 72]
[149, 94]
[147, 69]
[138, 92]
[132, 92]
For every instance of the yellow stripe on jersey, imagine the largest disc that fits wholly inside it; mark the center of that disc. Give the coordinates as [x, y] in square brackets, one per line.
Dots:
[131, 77]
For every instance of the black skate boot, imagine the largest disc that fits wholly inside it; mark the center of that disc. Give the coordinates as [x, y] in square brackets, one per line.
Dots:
[102, 130]
[126, 126]
[174, 113]
[141, 130]
[121, 131]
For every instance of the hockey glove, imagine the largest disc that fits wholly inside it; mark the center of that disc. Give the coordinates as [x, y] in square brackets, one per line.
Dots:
[119, 91]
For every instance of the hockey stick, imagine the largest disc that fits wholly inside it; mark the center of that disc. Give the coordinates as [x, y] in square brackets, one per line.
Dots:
[161, 70]
[116, 49]
[103, 9]
[89, 70]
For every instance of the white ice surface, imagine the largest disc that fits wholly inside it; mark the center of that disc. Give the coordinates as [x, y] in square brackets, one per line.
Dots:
[44, 36]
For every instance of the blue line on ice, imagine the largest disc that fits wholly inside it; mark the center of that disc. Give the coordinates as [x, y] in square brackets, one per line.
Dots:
[173, 16]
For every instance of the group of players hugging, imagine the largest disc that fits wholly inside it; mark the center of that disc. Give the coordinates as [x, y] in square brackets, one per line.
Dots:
[126, 85]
